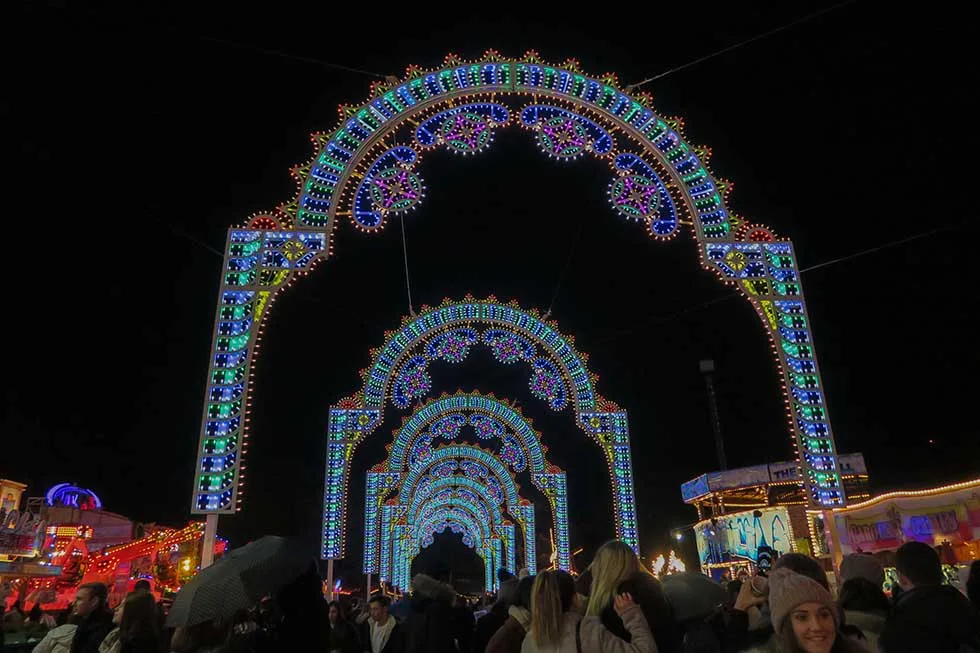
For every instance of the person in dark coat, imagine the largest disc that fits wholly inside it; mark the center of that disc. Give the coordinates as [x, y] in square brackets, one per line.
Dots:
[495, 617]
[94, 618]
[429, 627]
[973, 584]
[381, 633]
[342, 636]
[615, 569]
[510, 636]
[928, 616]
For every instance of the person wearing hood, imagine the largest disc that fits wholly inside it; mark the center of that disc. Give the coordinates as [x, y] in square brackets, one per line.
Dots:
[928, 616]
[510, 636]
[861, 598]
[430, 626]
[488, 624]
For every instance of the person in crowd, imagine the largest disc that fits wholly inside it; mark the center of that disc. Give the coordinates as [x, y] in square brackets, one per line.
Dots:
[13, 620]
[804, 616]
[747, 626]
[38, 618]
[510, 635]
[928, 616]
[207, 637]
[492, 619]
[615, 563]
[462, 624]
[58, 639]
[429, 627]
[343, 637]
[381, 633]
[973, 584]
[94, 618]
[557, 626]
[137, 628]
[861, 598]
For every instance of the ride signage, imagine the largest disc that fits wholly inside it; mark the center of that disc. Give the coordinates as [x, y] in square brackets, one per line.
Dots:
[21, 534]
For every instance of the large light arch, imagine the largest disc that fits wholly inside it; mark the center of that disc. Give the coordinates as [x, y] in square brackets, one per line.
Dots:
[444, 418]
[366, 171]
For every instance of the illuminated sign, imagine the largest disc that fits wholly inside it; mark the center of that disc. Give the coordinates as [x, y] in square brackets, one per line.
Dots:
[21, 534]
[738, 537]
[66, 494]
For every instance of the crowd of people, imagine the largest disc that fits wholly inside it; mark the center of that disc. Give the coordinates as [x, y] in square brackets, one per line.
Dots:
[615, 606]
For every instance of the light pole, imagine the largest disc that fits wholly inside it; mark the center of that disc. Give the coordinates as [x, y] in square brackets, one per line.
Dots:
[708, 371]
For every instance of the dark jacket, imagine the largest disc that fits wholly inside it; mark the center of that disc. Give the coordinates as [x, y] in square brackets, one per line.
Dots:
[487, 625]
[649, 595]
[149, 645]
[935, 618]
[510, 636]
[429, 627]
[395, 643]
[91, 631]
[343, 637]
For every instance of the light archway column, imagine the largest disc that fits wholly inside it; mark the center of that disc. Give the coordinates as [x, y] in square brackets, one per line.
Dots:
[768, 275]
[257, 264]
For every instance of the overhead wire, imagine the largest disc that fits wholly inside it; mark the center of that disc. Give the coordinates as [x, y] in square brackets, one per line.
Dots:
[735, 46]
[568, 265]
[408, 282]
[656, 321]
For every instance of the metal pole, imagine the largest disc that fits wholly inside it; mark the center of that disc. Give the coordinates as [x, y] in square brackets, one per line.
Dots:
[210, 535]
[367, 593]
[330, 579]
[707, 369]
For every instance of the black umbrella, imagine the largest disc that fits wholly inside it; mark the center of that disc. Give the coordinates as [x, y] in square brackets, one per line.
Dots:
[692, 595]
[239, 580]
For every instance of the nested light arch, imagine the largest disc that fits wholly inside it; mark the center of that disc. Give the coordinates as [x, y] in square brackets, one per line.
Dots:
[460, 454]
[464, 492]
[486, 550]
[435, 519]
[489, 509]
[444, 418]
[475, 510]
[399, 369]
[457, 492]
[367, 170]
[448, 332]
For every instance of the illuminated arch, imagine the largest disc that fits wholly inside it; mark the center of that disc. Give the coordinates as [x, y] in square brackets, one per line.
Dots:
[367, 171]
[448, 332]
[445, 418]
[500, 491]
[485, 550]
[451, 492]
[456, 491]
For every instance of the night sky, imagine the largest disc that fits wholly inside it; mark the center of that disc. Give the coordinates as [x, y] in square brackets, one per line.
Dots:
[139, 136]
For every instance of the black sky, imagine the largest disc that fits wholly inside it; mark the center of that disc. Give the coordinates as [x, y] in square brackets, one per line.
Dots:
[139, 136]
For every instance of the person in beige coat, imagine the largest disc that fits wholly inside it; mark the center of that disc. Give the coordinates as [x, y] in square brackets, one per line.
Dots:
[557, 625]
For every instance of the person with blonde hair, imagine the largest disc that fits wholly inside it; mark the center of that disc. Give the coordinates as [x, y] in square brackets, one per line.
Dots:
[558, 627]
[615, 569]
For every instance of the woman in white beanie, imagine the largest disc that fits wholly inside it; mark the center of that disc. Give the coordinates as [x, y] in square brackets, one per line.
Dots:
[804, 616]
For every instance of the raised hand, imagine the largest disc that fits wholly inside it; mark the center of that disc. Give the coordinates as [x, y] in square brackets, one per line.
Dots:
[622, 602]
